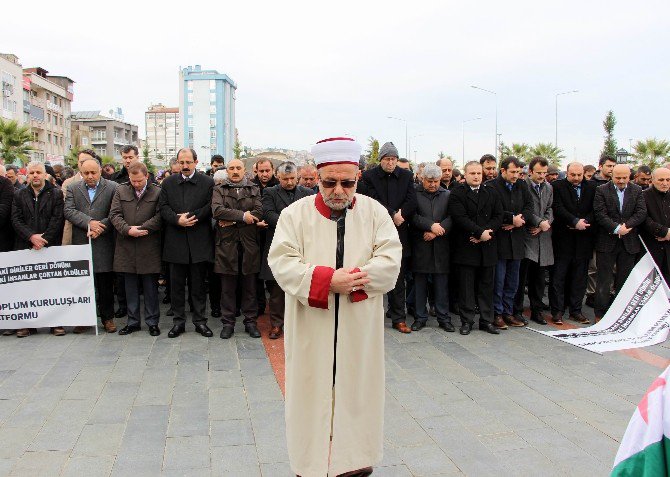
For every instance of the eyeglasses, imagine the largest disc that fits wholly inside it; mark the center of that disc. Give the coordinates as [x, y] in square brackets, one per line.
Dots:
[345, 183]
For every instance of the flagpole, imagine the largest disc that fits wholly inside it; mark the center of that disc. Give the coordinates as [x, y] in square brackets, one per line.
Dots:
[658, 269]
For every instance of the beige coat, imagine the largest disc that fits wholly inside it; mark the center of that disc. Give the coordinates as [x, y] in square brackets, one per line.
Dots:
[67, 228]
[302, 259]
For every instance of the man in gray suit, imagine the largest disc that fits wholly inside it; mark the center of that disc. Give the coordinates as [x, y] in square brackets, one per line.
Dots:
[276, 199]
[539, 252]
[87, 205]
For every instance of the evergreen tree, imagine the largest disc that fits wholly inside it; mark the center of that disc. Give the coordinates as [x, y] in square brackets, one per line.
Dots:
[373, 151]
[609, 148]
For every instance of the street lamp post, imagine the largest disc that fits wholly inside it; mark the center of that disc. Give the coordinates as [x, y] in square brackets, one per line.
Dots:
[411, 141]
[556, 131]
[496, 100]
[467, 121]
[406, 136]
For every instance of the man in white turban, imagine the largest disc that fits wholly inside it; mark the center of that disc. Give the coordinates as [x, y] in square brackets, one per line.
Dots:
[335, 254]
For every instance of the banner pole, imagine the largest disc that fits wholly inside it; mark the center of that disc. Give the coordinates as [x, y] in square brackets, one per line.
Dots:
[658, 269]
[95, 299]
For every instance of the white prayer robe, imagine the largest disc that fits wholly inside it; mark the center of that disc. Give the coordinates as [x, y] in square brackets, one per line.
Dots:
[302, 258]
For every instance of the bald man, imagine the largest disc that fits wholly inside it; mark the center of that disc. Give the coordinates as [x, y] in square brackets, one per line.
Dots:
[87, 206]
[619, 209]
[656, 229]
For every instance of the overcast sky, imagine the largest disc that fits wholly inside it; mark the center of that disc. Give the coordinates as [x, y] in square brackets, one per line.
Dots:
[309, 70]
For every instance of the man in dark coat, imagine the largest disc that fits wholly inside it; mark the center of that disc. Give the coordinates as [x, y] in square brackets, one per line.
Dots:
[185, 204]
[393, 187]
[517, 206]
[135, 214]
[87, 205]
[37, 218]
[656, 229]
[620, 209]
[477, 215]
[574, 231]
[431, 226]
[276, 199]
[129, 154]
[447, 181]
[264, 177]
[237, 207]
[6, 230]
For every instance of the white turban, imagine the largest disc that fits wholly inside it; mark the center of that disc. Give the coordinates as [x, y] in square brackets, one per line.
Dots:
[336, 150]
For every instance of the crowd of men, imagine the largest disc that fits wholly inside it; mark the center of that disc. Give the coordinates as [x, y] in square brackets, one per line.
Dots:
[474, 242]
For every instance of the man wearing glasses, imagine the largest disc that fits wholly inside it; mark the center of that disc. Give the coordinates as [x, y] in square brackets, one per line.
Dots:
[335, 255]
[393, 187]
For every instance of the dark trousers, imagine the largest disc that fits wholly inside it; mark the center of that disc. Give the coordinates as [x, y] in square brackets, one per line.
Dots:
[248, 303]
[120, 291]
[440, 287]
[104, 287]
[532, 273]
[276, 304]
[605, 275]
[196, 272]
[260, 295]
[214, 280]
[476, 289]
[506, 285]
[568, 282]
[149, 283]
[396, 297]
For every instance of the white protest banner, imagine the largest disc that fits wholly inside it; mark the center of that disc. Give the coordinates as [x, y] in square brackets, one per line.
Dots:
[639, 316]
[48, 287]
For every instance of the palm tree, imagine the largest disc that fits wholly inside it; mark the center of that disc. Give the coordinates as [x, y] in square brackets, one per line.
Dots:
[651, 152]
[549, 151]
[518, 150]
[15, 142]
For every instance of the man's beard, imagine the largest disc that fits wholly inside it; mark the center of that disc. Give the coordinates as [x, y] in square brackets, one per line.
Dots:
[337, 206]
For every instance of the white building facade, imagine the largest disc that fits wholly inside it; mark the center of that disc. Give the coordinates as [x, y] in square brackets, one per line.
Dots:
[207, 112]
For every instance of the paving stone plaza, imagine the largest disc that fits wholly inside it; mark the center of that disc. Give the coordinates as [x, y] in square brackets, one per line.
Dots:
[515, 404]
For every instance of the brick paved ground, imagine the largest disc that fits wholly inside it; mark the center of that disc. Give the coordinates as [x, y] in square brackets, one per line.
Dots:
[515, 404]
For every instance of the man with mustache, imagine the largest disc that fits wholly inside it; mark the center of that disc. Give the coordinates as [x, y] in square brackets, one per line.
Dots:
[335, 254]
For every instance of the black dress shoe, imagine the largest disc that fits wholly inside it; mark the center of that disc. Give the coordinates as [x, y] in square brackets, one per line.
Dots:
[216, 313]
[447, 326]
[121, 312]
[252, 330]
[204, 330]
[465, 329]
[489, 328]
[154, 330]
[126, 330]
[538, 319]
[418, 325]
[176, 331]
[226, 332]
[521, 318]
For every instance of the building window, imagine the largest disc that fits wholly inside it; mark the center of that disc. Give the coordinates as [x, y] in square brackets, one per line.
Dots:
[212, 133]
[55, 120]
[84, 141]
[212, 109]
[212, 122]
[48, 117]
[49, 138]
[212, 84]
[190, 122]
[189, 85]
[212, 97]
[190, 97]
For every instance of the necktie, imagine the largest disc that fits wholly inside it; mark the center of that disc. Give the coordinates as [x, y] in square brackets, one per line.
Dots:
[509, 187]
[537, 189]
[138, 193]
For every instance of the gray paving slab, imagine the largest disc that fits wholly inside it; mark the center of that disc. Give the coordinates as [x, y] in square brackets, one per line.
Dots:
[514, 404]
